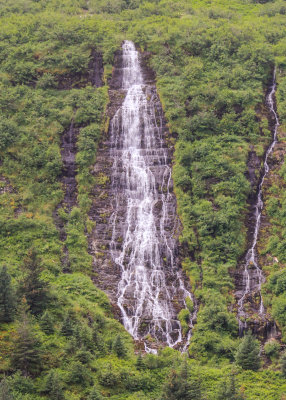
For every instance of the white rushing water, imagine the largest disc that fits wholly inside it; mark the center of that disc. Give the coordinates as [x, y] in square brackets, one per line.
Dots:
[253, 276]
[144, 218]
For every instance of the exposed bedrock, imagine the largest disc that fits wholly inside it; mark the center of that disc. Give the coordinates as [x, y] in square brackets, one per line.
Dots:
[135, 240]
[249, 275]
[68, 147]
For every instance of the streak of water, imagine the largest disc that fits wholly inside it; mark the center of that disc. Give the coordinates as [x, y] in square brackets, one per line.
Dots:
[253, 283]
[151, 283]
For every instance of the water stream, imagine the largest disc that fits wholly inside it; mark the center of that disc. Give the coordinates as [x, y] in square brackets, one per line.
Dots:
[152, 289]
[253, 275]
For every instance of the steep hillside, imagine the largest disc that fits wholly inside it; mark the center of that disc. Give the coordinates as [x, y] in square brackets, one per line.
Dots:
[61, 337]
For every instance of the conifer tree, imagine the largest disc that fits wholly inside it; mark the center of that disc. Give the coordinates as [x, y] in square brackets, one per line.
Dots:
[32, 286]
[95, 336]
[47, 323]
[97, 340]
[83, 336]
[140, 364]
[228, 390]
[180, 386]
[68, 325]
[79, 373]
[7, 302]
[247, 355]
[94, 394]
[283, 365]
[54, 386]
[5, 392]
[99, 321]
[119, 347]
[26, 348]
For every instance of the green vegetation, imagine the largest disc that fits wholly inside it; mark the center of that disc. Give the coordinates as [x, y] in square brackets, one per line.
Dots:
[26, 356]
[213, 60]
[247, 355]
[7, 301]
[228, 390]
[179, 386]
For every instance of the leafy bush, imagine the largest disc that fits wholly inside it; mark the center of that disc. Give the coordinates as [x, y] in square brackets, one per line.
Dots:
[272, 348]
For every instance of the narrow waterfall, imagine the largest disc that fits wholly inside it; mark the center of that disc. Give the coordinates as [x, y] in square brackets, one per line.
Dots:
[151, 289]
[253, 274]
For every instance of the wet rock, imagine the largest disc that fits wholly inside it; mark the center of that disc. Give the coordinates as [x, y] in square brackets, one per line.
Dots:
[68, 147]
[5, 186]
[253, 166]
[93, 75]
[252, 313]
[109, 211]
[96, 69]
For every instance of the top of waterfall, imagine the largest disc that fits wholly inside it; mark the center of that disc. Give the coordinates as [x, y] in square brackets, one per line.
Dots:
[128, 45]
[132, 74]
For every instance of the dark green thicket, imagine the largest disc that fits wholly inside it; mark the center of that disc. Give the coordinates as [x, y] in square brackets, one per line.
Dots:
[248, 353]
[283, 365]
[47, 323]
[228, 390]
[26, 355]
[67, 328]
[94, 394]
[54, 386]
[7, 297]
[32, 286]
[140, 364]
[5, 391]
[119, 347]
[182, 386]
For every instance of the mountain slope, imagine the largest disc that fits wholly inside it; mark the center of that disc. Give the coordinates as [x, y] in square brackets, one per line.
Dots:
[213, 62]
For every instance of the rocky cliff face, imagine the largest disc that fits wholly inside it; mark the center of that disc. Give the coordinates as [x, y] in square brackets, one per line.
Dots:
[118, 240]
[68, 147]
[250, 275]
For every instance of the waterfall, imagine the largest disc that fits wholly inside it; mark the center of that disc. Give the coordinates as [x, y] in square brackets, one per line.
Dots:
[252, 280]
[151, 289]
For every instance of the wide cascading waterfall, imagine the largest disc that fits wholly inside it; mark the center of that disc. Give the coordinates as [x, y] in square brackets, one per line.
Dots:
[252, 275]
[151, 289]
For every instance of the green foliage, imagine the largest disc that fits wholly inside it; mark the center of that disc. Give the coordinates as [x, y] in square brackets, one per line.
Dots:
[67, 328]
[180, 386]
[32, 287]
[140, 364]
[108, 377]
[248, 353]
[279, 310]
[5, 392]
[54, 386]
[228, 390]
[94, 394]
[8, 133]
[283, 365]
[184, 318]
[190, 304]
[76, 242]
[119, 347]
[78, 373]
[83, 356]
[7, 297]
[272, 348]
[26, 346]
[47, 323]
[216, 329]
[22, 384]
